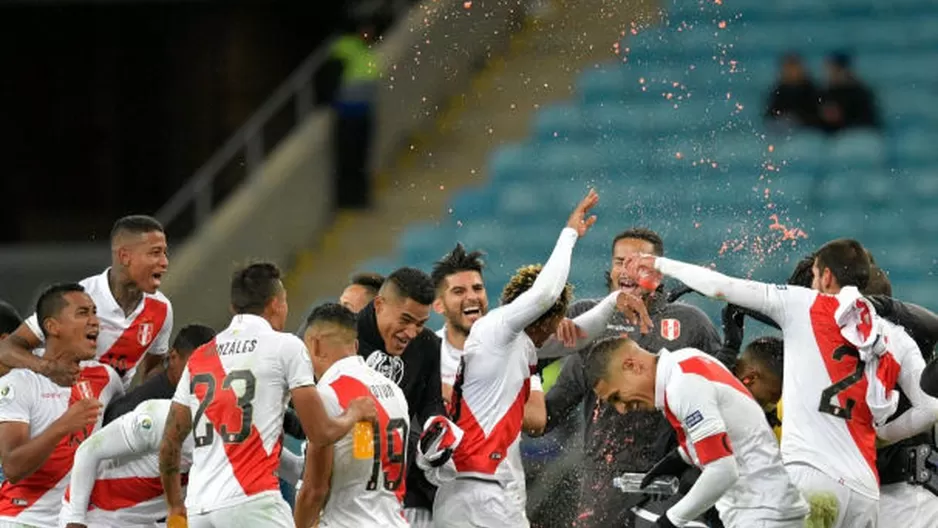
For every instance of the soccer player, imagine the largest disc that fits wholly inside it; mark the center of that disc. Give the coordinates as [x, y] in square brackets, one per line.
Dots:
[719, 426]
[362, 290]
[231, 397]
[127, 491]
[362, 492]
[839, 378]
[760, 370]
[162, 386]
[393, 339]
[493, 386]
[136, 319]
[615, 443]
[42, 423]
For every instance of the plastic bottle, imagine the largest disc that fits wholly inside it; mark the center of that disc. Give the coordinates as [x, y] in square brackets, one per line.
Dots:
[363, 441]
[630, 482]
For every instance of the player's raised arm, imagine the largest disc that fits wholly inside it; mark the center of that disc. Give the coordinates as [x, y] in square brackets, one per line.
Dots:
[552, 279]
[178, 427]
[317, 475]
[764, 298]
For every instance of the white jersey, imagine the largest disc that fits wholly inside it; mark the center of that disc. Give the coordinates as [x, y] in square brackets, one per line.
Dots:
[715, 416]
[493, 384]
[30, 398]
[828, 423]
[123, 339]
[366, 493]
[450, 357]
[116, 477]
[237, 387]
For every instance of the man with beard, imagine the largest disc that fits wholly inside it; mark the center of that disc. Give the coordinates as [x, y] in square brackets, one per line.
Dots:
[614, 443]
[462, 300]
[394, 341]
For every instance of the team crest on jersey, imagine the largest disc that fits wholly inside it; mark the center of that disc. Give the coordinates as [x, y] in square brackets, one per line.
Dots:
[670, 329]
[144, 422]
[6, 394]
[145, 333]
[392, 367]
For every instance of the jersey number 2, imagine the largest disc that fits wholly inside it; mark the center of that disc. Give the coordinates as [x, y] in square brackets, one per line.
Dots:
[398, 425]
[834, 390]
[207, 435]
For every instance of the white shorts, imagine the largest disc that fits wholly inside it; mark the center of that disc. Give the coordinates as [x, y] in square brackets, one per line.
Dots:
[907, 506]
[472, 503]
[266, 511]
[755, 518]
[104, 519]
[855, 510]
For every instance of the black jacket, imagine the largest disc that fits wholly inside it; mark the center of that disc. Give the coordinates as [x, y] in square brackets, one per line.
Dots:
[157, 387]
[417, 373]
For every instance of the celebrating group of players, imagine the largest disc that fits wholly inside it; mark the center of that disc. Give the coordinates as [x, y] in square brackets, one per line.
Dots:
[407, 427]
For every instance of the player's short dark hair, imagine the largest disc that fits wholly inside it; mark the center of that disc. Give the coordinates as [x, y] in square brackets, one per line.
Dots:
[10, 319]
[456, 261]
[879, 283]
[52, 301]
[136, 225]
[411, 283]
[333, 313]
[847, 260]
[370, 281]
[642, 233]
[598, 356]
[769, 352]
[253, 287]
[191, 337]
[803, 275]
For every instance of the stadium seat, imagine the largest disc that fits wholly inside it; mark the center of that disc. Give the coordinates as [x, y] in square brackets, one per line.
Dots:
[511, 162]
[860, 148]
[916, 147]
[560, 121]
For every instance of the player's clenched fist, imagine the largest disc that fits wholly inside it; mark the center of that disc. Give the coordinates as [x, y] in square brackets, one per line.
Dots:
[362, 409]
[80, 415]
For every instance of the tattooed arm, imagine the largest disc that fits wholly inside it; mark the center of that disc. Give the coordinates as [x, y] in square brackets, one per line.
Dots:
[178, 426]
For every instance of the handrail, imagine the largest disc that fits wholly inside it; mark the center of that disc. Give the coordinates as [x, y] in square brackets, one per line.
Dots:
[298, 87]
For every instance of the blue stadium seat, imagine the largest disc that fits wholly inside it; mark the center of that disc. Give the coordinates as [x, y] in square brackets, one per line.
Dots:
[609, 84]
[917, 147]
[511, 162]
[382, 265]
[804, 151]
[470, 203]
[562, 120]
[860, 148]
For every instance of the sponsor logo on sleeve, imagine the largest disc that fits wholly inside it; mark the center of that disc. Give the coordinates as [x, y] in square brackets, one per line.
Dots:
[694, 419]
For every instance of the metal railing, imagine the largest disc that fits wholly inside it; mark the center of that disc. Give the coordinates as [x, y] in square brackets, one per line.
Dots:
[249, 139]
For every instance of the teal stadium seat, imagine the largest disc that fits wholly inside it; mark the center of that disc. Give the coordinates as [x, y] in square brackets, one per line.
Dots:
[856, 149]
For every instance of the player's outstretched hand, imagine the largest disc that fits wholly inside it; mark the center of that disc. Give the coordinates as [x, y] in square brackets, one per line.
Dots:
[81, 414]
[362, 409]
[635, 311]
[569, 333]
[63, 373]
[580, 220]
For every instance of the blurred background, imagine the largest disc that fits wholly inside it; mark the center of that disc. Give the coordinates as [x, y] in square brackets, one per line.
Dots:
[339, 137]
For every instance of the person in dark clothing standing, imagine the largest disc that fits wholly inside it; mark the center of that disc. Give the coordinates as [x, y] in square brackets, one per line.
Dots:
[616, 443]
[795, 98]
[162, 385]
[393, 340]
[846, 102]
[10, 319]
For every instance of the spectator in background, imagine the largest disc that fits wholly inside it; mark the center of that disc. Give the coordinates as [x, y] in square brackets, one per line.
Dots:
[846, 102]
[795, 98]
[354, 121]
[361, 290]
[10, 319]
